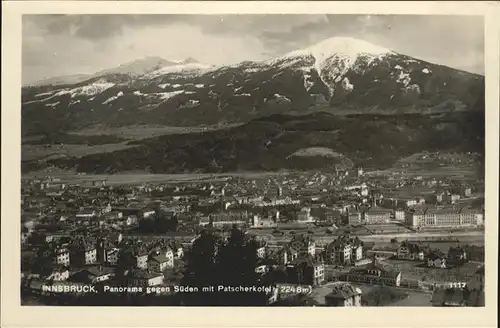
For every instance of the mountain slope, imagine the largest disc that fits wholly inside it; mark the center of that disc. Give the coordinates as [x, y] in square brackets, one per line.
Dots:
[61, 80]
[273, 143]
[138, 67]
[338, 75]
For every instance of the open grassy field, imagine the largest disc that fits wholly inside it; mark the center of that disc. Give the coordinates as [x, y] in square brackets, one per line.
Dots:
[129, 133]
[136, 132]
[386, 228]
[464, 172]
[139, 178]
[39, 152]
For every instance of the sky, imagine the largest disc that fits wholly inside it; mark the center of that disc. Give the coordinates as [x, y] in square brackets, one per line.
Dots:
[57, 45]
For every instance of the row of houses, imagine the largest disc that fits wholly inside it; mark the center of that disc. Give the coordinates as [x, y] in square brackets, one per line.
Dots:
[412, 251]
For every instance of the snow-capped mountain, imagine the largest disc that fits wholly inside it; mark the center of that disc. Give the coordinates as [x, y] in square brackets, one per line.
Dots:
[61, 80]
[336, 75]
[333, 58]
[138, 67]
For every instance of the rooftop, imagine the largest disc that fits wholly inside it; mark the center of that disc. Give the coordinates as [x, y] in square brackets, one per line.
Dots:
[343, 291]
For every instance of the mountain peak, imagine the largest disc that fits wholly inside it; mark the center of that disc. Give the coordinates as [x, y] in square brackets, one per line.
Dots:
[342, 46]
[189, 60]
[138, 66]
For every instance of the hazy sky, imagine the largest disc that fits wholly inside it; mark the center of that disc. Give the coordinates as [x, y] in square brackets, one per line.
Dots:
[55, 45]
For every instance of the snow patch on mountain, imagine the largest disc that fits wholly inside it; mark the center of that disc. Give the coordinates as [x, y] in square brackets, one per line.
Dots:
[404, 78]
[252, 70]
[281, 98]
[181, 68]
[92, 89]
[110, 99]
[190, 104]
[164, 85]
[199, 85]
[413, 88]
[346, 85]
[426, 71]
[307, 82]
[334, 57]
[138, 93]
[53, 104]
[44, 94]
[316, 151]
[346, 48]
[168, 95]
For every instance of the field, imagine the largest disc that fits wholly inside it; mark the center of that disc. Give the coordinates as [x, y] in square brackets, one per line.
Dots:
[39, 152]
[137, 132]
[139, 178]
[464, 172]
[75, 149]
[386, 228]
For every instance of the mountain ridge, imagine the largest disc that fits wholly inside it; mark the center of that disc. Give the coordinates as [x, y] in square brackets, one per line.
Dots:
[345, 75]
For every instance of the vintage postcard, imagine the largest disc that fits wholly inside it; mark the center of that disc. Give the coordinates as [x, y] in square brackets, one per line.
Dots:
[199, 163]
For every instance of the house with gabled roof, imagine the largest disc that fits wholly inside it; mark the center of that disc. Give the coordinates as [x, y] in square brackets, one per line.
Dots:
[436, 259]
[410, 251]
[343, 294]
[309, 270]
[144, 278]
[157, 263]
[374, 274]
[304, 244]
[286, 254]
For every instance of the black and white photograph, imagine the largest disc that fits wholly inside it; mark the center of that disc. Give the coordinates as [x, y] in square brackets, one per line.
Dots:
[263, 160]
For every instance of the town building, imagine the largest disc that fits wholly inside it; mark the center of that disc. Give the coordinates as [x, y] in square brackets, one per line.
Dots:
[157, 263]
[444, 216]
[55, 273]
[374, 274]
[457, 254]
[344, 251]
[304, 244]
[142, 260]
[354, 217]
[286, 254]
[308, 270]
[410, 251]
[144, 278]
[304, 215]
[436, 259]
[399, 215]
[93, 275]
[343, 294]
[112, 256]
[377, 215]
[62, 256]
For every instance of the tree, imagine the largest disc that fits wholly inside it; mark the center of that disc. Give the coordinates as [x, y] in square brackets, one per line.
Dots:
[214, 261]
